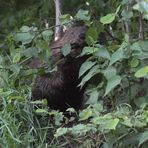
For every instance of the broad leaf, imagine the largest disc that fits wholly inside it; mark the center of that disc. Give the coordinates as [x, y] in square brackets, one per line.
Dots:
[106, 122]
[93, 99]
[31, 52]
[142, 72]
[109, 73]
[92, 32]
[60, 131]
[112, 83]
[64, 19]
[103, 53]
[83, 15]
[127, 122]
[85, 114]
[89, 50]
[26, 35]
[143, 138]
[116, 56]
[134, 62]
[141, 6]
[16, 58]
[89, 75]
[109, 18]
[66, 49]
[47, 35]
[126, 14]
[81, 129]
[85, 67]
[141, 102]
[25, 29]
[112, 123]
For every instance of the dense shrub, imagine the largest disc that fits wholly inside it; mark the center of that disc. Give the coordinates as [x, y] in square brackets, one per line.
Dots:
[115, 111]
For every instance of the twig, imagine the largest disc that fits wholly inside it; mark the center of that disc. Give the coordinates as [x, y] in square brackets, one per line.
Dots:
[112, 36]
[141, 28]
[127, 28]
[59, 29]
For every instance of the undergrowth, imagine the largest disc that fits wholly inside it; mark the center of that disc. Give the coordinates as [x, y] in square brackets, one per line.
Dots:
[115, 111]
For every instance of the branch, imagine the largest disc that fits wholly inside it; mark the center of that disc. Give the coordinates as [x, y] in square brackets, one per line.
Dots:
[141, 28]
[59, 29]
[127, 28]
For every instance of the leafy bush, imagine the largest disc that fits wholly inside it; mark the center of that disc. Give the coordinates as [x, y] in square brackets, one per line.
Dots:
[115, 113]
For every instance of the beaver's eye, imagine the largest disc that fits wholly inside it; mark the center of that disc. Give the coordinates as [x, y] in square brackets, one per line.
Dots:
[82, 36]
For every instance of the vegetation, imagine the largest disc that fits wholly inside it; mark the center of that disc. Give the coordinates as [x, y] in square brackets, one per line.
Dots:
[115, 113]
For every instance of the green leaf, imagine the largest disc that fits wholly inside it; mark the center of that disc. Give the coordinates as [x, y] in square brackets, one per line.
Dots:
[47, 35]
[41, 111]
[125, 2]
[116, 56]
[66, 49]
[112, 83]
[92, 32]
[25, 38]
[109, 18]
[112, 123]
[93, 99]
[118, 9]
[141, 6]
[25, 29]
[127, 122]
[64, 19]
[60, 131]
[89, 75]
[140, 50]
[142, 72]
[42, 102]
[5, 93]
[16, 58]
[81, 129]
[31, 52]
[26, 34]
[58, 117]
[141, 102]
[106, 122]
[71, 110]
[85, 67]
[85, 114]
[15, 68]
[89, 50]
[134, 63]
[143, 138]
[126, 14]
[83, 15]
[146, 16]
[110, 72]
[102, 52]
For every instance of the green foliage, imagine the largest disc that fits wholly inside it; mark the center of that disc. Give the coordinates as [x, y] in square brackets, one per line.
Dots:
[66, 49]
[64, 19]
[85, 67]
[142, 7]
[83, 15]
[109, 18]
[115, 112]
[142, 72]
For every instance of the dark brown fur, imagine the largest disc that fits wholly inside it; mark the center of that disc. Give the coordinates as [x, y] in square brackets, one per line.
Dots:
[61, 89]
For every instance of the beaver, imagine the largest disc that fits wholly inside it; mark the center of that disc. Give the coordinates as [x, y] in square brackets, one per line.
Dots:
[61, 88]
